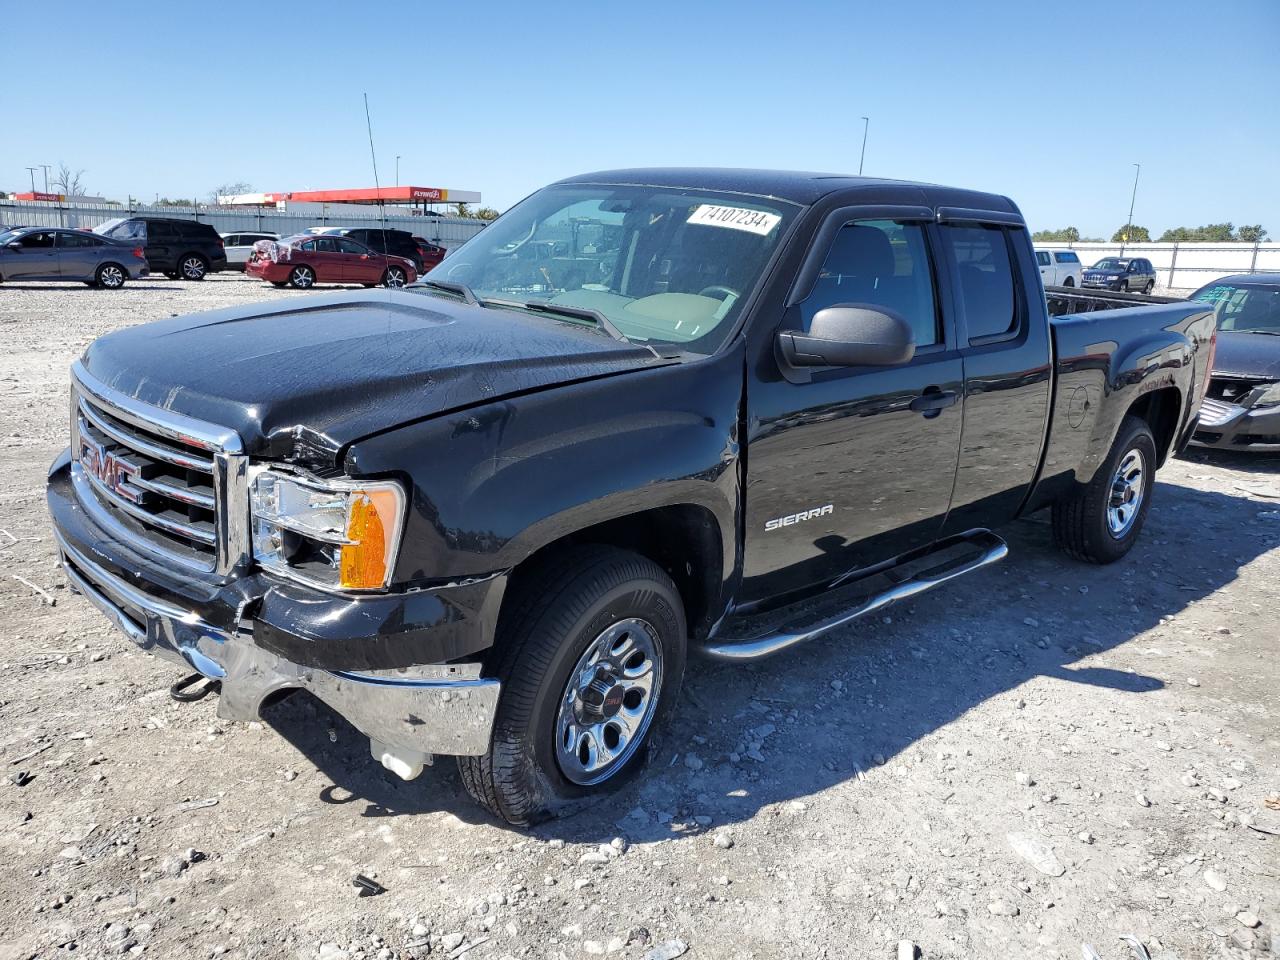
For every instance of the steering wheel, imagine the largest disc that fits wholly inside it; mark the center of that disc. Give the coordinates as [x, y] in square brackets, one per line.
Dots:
[724, 292]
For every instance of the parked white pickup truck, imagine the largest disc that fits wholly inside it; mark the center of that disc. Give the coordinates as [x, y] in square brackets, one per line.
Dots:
[1059, 268]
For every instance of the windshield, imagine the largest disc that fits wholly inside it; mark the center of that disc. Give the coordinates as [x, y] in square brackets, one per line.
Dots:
[662, 264]
[1111, 263]
[1252, 308]
[8, 235]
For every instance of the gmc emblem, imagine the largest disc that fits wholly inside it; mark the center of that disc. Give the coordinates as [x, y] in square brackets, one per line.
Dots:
[111, 471]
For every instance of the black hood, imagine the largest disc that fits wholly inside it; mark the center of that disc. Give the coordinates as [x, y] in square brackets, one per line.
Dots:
[1247, 355]
[325, 370]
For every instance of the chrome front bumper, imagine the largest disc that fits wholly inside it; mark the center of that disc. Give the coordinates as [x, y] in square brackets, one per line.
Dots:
[408, 714]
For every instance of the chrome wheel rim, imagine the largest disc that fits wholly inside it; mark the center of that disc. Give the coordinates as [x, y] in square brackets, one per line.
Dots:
[1127, 491]
[192, 268]
[111, 277]
[302, 277]
[608, 703]
[395, 278]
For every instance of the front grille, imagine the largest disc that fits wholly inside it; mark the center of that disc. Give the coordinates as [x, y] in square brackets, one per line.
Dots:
[1214, 413]
[170, 486]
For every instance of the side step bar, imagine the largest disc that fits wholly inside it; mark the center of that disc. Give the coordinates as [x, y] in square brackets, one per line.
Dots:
[988, 549]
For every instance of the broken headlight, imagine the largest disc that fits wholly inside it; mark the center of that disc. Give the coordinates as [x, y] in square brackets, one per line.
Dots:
[1269, 397]
[334, 534]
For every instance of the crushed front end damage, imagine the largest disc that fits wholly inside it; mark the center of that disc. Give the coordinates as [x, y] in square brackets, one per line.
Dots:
[150, 516]
[1240, 413]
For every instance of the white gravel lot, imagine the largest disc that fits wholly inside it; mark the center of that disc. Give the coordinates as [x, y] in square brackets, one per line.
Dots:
[1038, 757]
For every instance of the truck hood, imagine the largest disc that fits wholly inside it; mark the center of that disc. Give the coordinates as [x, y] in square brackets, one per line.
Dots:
[313, 374]
[1247, 355]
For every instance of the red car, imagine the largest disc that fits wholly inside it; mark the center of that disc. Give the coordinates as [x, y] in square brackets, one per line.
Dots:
[431, 253]
[304, 260]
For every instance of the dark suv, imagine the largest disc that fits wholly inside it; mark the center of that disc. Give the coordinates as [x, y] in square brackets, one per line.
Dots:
[180, 249]
[398, 243]
[1129, 274]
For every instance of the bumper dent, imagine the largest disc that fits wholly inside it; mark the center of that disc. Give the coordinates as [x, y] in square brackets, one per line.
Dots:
[415, 712]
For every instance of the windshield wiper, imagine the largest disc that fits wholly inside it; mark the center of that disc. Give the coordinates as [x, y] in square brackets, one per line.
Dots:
[564, 310]
[453, 286]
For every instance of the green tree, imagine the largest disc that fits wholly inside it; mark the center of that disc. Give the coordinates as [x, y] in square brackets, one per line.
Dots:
[1065, 235]
[1209, 233]
[1134, 234]
[179, 202]
[461, 210]
[486, 213]
[1252, 234]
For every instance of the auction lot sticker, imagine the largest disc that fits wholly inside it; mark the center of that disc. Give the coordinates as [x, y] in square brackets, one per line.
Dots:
[735, 218]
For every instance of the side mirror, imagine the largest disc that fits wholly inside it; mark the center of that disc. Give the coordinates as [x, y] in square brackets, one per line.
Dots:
[850, 335]
[15, 245]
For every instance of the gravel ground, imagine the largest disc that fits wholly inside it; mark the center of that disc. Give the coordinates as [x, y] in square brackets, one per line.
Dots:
[1038, 757]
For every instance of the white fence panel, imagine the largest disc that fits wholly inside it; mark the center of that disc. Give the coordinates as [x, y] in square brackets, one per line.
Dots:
[1184, 266]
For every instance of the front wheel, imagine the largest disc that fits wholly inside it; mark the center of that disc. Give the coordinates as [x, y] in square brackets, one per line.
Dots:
[591, 657]
[1101, 522]
[395, 277]
[111, 276]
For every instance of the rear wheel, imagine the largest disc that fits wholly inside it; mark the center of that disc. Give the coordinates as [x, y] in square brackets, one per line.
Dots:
[591, 658]
[111, 276]
[1151, 285]
[1069, 282]
[192, 266]
[395, 277]
[302, 277]
[1101, 522]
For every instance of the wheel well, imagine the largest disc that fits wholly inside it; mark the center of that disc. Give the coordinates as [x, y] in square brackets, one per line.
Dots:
[683, 539]
[1160, 408]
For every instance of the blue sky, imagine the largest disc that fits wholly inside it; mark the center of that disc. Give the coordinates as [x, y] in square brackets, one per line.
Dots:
[1049, 103]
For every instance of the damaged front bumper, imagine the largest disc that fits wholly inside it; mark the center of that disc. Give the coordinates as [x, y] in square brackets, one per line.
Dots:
[409, 703]
[1230, 426]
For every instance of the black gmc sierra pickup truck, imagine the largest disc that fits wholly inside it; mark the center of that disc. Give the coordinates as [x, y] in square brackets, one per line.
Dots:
[491, 514]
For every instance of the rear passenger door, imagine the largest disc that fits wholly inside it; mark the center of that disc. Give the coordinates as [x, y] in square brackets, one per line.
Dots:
[1004, 336]
[162, 241]
[357, 263]
[854, 465]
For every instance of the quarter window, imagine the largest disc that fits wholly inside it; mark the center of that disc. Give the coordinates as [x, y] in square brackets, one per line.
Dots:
[981, 257]
[880, 262]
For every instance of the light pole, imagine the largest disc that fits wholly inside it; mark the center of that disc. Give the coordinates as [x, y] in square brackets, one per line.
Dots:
[397, 169]
[866, 123]
[32, 171]
[46, 176]
[1132, 200]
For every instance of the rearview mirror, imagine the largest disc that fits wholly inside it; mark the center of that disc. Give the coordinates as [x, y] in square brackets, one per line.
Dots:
[850, 335]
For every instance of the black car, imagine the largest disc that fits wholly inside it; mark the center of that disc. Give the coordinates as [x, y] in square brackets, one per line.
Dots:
[180, 249]
[398, 243]
[491, 514]
[1241, 409]
[1130, 274]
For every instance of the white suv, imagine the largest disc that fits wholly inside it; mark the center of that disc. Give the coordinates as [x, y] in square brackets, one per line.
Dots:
[1059, 268]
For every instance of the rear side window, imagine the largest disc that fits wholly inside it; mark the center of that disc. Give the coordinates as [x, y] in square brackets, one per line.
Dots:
[77, 240]
[1067, 256]
[160, 230]
[349, 246]
[982, 259]
[879, 262]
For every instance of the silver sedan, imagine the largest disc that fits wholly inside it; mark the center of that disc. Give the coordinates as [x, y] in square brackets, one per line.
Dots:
[42, 253]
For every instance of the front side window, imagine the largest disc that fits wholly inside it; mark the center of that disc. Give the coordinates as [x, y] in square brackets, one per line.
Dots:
[884, 263]
[981, 257]
[1042, 258]
[38, 241]
[663, 264]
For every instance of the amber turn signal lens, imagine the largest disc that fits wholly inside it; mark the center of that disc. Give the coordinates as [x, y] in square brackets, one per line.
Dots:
[371, 528]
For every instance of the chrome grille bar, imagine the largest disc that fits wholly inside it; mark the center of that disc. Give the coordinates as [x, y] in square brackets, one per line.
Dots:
[167, 484]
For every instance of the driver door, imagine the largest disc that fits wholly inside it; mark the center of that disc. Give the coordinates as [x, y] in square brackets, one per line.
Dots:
[857, 465]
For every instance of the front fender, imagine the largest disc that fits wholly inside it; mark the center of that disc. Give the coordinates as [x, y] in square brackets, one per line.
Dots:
[493, 484]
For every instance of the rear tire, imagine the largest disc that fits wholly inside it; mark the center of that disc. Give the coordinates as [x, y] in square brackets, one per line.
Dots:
[591, 654]
[110, 276]
[1101, 522]
[192, 266]
[302, 277]
[1069, 282]
[1151, 285]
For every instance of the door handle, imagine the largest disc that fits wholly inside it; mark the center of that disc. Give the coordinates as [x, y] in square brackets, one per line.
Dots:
[933, 401]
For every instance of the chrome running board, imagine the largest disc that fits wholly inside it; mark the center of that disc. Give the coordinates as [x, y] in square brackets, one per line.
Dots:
[989, 549]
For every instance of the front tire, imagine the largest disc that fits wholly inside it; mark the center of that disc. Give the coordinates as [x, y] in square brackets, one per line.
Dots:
[110, 276]
[302, 277]
[591, 657]
[395, 277]
[1101, 522]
